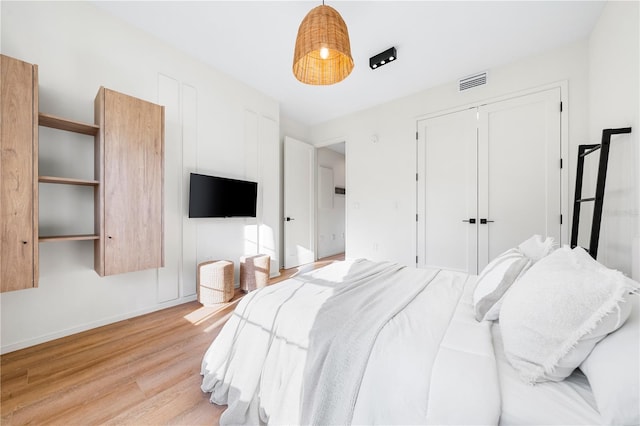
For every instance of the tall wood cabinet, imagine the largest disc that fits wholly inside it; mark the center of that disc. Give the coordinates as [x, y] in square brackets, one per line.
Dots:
[130, 168]
[18, 174]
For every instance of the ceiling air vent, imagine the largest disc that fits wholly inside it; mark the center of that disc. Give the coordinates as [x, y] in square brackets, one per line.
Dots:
[472, 81]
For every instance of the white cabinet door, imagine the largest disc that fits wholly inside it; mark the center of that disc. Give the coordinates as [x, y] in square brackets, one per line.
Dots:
[518, 172]
[497, 165]
[447, 191]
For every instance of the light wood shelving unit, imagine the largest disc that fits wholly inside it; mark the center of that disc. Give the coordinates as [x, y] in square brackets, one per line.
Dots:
[128, 183]
[81, 237]
[54, 122]
[67, 181]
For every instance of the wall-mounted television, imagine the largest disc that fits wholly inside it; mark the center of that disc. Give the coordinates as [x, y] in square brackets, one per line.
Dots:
[214, 196]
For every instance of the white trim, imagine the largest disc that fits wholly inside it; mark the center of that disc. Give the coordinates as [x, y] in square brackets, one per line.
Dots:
[324, 144]
[562, 84]
[330, 142]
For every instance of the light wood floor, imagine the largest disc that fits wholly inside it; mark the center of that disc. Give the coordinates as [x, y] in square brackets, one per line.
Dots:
[141, 371]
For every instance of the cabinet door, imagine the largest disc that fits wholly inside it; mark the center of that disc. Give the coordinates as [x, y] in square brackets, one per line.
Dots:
[133, 184]
[18, 175]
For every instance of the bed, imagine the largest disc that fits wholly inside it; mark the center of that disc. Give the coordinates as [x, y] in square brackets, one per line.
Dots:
[363, 342]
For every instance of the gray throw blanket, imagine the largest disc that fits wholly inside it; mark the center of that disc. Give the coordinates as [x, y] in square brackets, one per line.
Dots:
[344, 333]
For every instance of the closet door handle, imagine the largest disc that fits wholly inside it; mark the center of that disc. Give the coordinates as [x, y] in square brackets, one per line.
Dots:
[471, 220]
[485, 221]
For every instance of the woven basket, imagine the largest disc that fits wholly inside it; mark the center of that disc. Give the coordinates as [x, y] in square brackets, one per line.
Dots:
[254, 271]
[215, 282]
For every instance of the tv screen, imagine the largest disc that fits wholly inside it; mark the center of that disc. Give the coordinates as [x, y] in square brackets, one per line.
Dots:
[213, 196]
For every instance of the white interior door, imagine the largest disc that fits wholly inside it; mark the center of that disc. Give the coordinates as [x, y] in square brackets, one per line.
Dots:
[497, 165]
[299, 207]
[447, 191]
[518, 172]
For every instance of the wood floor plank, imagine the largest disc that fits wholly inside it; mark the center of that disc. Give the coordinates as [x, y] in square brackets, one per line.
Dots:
[199, 414]
[37, 410]
[143, 370]
[101, 409]
[156, 409]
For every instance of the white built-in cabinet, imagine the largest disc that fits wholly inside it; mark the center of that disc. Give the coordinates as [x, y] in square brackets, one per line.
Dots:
[489, 177]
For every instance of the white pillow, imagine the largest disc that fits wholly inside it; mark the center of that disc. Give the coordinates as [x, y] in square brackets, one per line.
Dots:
[613, 370]
[535, 248]
[494, 281]
[554, 315]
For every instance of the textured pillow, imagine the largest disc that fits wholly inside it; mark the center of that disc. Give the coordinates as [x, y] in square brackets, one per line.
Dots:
[494, 281]
[535, 248]
[613, 371]
[554, 315]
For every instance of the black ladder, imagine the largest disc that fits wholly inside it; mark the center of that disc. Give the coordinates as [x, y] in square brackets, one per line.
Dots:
[583, 151]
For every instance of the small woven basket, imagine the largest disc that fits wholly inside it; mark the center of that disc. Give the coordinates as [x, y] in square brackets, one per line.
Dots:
[254, 271]
[215, 282]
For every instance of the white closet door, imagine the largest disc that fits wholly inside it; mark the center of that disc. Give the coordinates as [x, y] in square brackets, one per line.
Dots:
[447, 176]
[518, 172]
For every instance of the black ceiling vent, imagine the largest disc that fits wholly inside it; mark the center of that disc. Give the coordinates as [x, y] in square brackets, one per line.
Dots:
[472, 81]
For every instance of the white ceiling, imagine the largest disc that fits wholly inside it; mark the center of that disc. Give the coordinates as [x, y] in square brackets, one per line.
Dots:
[436, 41]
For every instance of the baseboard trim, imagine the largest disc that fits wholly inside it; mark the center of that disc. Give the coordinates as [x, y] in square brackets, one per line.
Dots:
[95, 324]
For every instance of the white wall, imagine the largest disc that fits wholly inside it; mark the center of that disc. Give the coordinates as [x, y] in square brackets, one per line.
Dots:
[381, 175]
[214, 124]
[331, 218]
[614, 88]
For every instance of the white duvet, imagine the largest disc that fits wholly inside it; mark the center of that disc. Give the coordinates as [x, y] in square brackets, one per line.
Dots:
[356, 342]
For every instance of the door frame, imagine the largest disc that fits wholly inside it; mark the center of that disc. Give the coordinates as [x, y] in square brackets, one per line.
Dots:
[324, 144]
[314, 190]
[564, 145]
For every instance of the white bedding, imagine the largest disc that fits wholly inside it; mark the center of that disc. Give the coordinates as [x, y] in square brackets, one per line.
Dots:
[569, 402]
[429, 361]
[413, 354]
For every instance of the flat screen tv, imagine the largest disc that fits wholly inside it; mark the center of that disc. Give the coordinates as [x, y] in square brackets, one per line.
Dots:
[214, 196]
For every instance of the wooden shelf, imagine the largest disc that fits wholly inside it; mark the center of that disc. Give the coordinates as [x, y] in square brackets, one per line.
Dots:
[68, 238]
[67, 181]
[60, 123]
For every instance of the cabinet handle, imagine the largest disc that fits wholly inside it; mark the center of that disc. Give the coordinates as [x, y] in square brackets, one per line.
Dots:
[24, 242]
[471, 220]
[109, 237]
[485, 221]
[289, 219]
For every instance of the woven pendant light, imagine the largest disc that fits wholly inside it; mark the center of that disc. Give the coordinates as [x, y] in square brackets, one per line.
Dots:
[323, 53]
